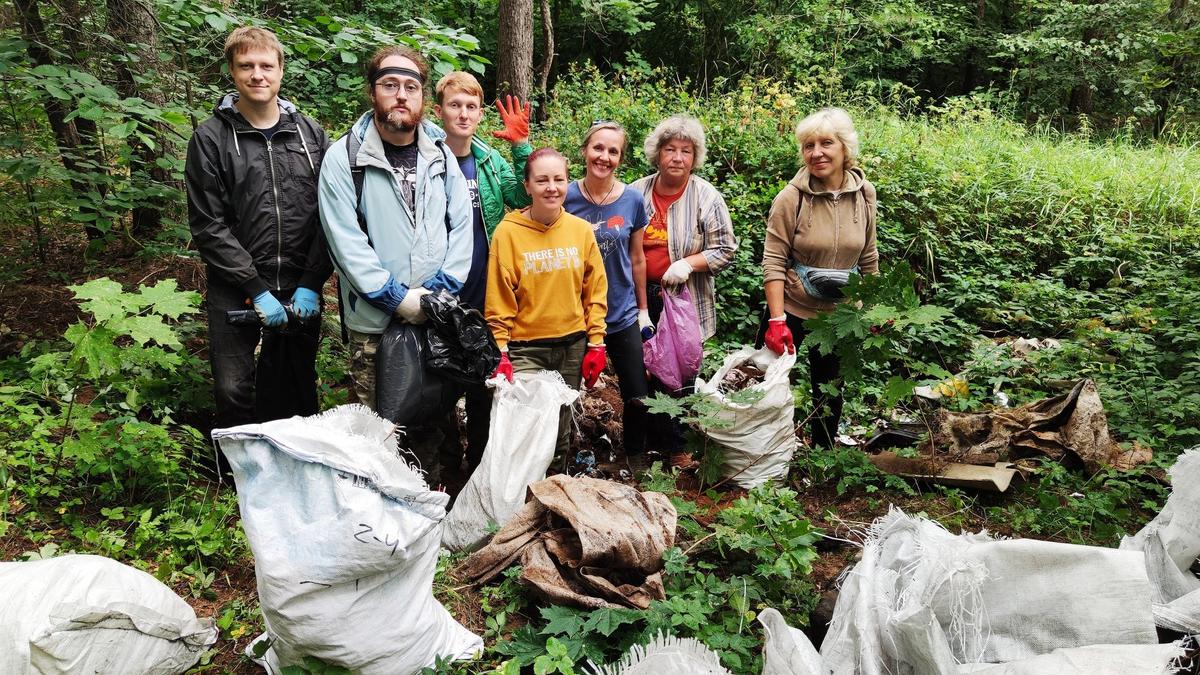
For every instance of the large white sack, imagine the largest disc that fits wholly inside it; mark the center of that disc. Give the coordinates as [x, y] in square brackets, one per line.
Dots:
[760, 438]
[924, 600]
[90, 614]
[345, 538]
[787, 650]
[1091, 660]
[1171, 543]
[665, 655]
[521, 439]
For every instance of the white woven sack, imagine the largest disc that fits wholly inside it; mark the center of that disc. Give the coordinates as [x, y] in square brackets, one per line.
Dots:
[924, 600]
[345, 538]
[760, 438]
[90, 614]
[787, 650]
[521, 439]
[1171, 543]
[665, 655]
[1091, 660]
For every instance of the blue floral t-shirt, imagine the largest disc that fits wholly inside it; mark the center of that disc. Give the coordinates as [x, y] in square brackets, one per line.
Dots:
[613, 225]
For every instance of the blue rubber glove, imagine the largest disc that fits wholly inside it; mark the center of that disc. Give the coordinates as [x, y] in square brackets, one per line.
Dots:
[270, 312]
[305, 303]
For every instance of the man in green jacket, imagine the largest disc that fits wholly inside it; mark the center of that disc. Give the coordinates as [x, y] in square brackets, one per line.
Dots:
[493, 185]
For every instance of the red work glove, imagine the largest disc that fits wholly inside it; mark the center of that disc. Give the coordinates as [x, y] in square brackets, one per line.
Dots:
[779, 337]
[593, 365]
[505, 367]
[515, 118]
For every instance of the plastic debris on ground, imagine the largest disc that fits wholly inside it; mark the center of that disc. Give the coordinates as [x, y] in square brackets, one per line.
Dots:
[1171, 543]
[583, 542]
[345, 537]
[90, 614]
[521, 439]
[758, 438]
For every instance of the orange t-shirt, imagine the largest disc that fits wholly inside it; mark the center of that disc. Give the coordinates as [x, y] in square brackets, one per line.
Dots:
[654, 239]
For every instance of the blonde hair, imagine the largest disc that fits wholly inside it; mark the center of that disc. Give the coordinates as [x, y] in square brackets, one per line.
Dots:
[600, 125]
[458, 80]
[249, 38]
[833, 122]
[676, 127]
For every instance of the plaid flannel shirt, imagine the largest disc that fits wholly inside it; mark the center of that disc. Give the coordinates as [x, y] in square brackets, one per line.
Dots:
[698, 222]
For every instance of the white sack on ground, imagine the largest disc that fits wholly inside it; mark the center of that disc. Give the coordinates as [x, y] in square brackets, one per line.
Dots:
[90, 614]
[1093, 660]
[521, 439]
[787, 650]
[760, 438]
[1171, 543]
[665, 655]
[345, 538]
[924, 600]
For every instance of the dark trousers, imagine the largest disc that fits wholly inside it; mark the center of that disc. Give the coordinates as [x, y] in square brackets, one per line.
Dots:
[562, 355]
[663, 431]
[822, 369]
[624, 349]
[280, 382]
[479, 420]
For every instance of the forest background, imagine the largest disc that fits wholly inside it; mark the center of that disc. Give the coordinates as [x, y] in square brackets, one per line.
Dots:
[1038, 177]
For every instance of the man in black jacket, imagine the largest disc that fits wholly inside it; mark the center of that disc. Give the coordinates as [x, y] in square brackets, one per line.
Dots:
[252, 207]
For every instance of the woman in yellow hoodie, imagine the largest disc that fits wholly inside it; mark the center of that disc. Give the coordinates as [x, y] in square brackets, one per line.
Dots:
[820, 230]
[546, 289]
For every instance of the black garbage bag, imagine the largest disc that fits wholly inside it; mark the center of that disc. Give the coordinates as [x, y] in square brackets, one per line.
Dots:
[407, 391]
[286, 374]
[461, 346]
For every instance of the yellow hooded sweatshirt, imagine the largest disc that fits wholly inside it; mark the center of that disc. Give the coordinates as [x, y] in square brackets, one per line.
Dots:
[545, 281]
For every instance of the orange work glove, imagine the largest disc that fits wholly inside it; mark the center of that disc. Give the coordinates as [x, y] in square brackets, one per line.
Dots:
[779, 337]
[515, 119]
[593, 365]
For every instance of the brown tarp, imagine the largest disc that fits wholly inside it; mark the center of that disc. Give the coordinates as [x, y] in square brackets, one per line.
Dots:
[584, 542]
[1070, 428]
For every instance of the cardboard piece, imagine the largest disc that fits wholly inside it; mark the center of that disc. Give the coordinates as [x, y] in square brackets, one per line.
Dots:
[995, 478]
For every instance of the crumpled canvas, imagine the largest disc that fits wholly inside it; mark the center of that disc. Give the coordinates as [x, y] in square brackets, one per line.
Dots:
[584, 542]
[1171, 543]
[674, 354]
[922, 600]
[1072, 428]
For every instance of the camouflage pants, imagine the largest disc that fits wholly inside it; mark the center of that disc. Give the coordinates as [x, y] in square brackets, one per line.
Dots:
[362, 366]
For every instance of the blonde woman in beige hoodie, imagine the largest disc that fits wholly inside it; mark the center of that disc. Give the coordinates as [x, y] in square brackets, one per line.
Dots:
[820, 230]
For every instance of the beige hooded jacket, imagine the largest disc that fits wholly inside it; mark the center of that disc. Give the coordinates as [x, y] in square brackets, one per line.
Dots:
[819, 229]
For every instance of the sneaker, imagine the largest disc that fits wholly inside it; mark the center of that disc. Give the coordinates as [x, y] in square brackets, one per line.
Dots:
[683, 461]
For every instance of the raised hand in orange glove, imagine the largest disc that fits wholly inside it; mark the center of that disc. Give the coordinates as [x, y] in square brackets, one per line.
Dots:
[515, 118]
[593, 364]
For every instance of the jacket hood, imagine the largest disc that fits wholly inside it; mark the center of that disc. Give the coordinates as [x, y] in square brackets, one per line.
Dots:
[226, 110]
[228, 113]
[521, 217]
[855, 178]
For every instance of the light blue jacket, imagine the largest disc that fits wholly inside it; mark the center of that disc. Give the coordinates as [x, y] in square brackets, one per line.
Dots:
[376, 273]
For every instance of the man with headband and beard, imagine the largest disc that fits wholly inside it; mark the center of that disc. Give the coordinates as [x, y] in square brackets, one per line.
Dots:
[397, 215]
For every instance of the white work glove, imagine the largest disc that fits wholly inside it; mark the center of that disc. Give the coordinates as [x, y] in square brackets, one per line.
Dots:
[410, 307]
[645, 325]
[677, 273]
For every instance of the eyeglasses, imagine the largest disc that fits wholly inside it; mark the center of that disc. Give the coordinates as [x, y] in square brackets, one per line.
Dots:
[392, 88]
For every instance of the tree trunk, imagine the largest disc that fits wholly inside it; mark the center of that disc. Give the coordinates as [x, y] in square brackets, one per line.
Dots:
[548, 59]
[514, 73]
[135, 25]
[68, 135]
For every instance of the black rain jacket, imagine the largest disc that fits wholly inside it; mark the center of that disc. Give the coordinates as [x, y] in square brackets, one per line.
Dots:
[252, 204]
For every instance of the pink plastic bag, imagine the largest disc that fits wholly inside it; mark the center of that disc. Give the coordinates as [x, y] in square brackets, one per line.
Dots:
[673, 355]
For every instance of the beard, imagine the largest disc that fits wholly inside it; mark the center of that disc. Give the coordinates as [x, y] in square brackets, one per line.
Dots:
[398, 121]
